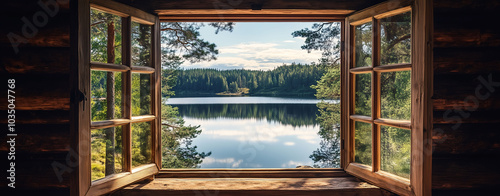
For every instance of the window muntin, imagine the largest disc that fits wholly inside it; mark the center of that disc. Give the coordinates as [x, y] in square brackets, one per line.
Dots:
[390, 100]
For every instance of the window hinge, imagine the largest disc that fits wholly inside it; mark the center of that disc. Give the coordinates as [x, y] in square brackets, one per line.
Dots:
[78, 96]
[342, 144]
[342, 45]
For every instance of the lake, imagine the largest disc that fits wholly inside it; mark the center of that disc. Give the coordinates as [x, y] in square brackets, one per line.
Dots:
[253, 132]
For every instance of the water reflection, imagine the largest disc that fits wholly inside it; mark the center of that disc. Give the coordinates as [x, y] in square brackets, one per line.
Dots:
[287, 114]
[259, 135]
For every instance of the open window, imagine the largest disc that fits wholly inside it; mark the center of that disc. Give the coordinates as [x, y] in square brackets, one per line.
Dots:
[384, 74]
[111, 113]
[120, 73]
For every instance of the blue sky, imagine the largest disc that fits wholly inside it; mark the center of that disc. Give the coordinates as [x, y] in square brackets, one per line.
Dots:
[256, 46]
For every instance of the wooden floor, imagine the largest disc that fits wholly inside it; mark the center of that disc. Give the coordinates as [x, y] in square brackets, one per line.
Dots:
[253, 186]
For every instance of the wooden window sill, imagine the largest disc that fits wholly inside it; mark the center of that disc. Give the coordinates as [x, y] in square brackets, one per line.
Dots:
[343, 184]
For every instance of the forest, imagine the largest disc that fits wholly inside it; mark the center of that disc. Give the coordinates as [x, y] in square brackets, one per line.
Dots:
[284, 80]
[182, 42]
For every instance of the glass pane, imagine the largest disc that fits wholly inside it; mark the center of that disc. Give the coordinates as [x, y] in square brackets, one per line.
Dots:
[106, 95]
[106, 152]
[100, 24]
[395, 39]
[395, 151]
[141, 143]
[141, 94]
[396, 95]
[363, 45]
[363, 98]
[363, 143]
[141, 44]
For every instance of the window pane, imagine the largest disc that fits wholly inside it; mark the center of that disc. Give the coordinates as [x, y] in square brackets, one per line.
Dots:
[363, 45]
[363, 143]
[141, 44]
[141, 94]
[100, 24]
[363, 99]
[395, 151]
[141, 143]
[106, 92]
[396, 95]
[106, 152]
[395, 39]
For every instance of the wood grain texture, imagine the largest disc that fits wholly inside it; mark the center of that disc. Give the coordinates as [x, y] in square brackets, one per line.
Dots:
[265, 5]
[254, 186]
[465, 138]
[253, 173]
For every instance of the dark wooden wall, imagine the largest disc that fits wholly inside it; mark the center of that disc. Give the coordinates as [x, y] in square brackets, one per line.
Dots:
[41, 69]
[152, 5]
[466, 137]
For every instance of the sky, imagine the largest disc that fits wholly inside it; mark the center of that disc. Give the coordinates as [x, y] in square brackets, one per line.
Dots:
[256, 46]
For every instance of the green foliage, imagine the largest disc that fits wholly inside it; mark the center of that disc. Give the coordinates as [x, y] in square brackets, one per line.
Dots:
[233, 87]
[177, 149]
[325, 37]
[363, 45]
[395, 89]
[293, 79]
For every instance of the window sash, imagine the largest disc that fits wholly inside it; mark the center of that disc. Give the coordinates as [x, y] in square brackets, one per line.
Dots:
[372, 172]
[129, 175]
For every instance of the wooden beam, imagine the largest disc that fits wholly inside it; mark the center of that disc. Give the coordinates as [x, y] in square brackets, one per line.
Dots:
[252, 18]
[396, 184]
[80, 110]
[380, 9]
[361, 118]
[123, 10]
[108, 67]
[126, 93]
[252, 173]
[252, 12]
[142, 69]
[144, 118]
[109, 123]
[393, 68]
[156, 93]
[120, 180]
[361, 70]
[403, 124]
[421, 93]
[393, 12]
[346, 186]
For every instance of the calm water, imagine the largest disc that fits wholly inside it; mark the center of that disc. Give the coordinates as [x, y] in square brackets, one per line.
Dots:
[253, 132]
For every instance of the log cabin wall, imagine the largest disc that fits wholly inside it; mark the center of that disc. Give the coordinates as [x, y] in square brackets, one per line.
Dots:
[41, 69]
[466, 137]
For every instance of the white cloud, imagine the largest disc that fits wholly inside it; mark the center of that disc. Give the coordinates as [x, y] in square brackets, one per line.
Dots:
[250, 130]
[257, 56]
[227, 161]
[289, 41]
